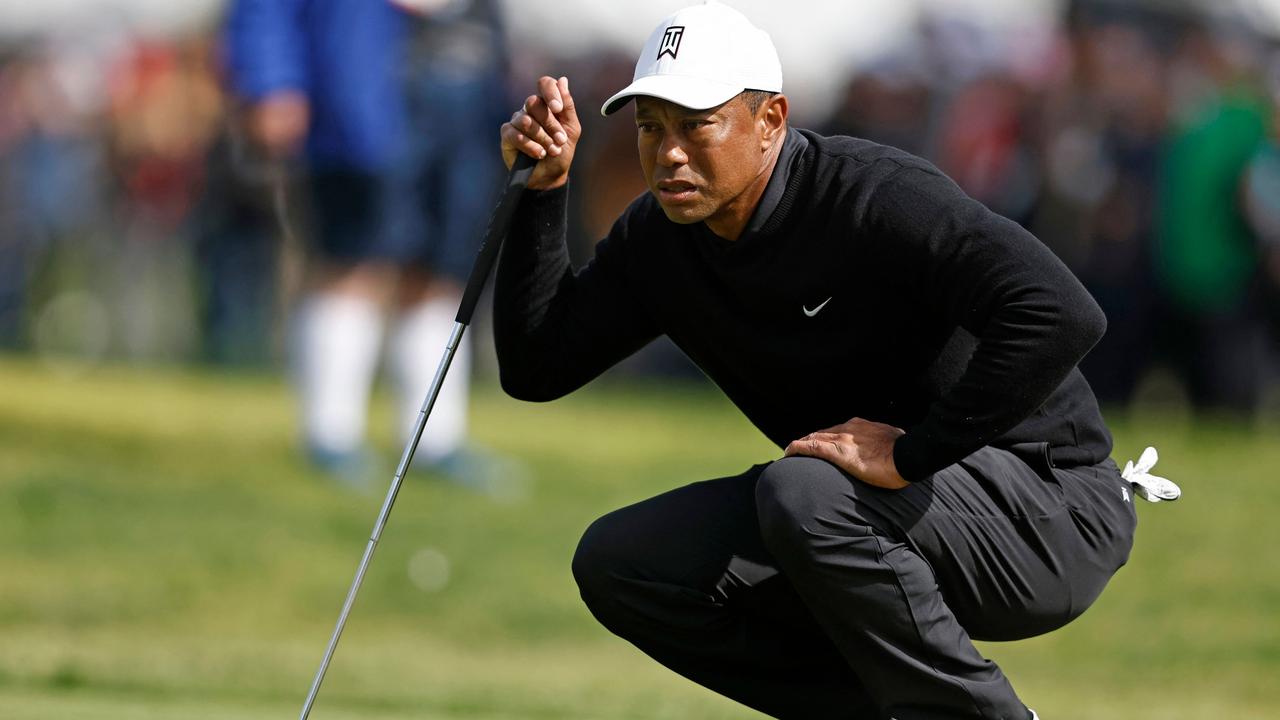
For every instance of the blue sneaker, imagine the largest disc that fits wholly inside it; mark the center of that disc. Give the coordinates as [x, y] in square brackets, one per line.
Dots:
[501, 478]
[350, 469]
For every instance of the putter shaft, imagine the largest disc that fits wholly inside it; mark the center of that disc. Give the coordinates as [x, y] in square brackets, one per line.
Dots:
[499, 223]
[405, 459]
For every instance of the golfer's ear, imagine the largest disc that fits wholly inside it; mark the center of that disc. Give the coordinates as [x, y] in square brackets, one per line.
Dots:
[772, 120]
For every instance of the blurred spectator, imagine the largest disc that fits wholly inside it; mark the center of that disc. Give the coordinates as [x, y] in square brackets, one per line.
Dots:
[889, 103]
[165, 109]
[1208, 254]
[394, 107]
[1261, 197]
[52, 179]
[1136, 140]
[239, 252]
[1126, 144]
[1105, 129]
[984, 145]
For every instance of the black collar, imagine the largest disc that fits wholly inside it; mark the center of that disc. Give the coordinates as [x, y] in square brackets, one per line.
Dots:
[792, 149]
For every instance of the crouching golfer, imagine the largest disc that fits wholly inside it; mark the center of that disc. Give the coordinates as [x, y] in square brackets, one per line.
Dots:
[946, 474]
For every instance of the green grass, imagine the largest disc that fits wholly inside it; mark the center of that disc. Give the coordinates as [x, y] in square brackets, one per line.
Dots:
[165, 554]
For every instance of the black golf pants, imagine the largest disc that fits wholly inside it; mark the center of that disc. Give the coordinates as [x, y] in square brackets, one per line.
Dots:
[804, 593]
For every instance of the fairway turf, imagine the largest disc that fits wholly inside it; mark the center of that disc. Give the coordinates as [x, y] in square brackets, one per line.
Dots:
[164, 553]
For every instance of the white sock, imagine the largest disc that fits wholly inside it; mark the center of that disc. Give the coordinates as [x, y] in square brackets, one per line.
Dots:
[335, 355]
[417, 343]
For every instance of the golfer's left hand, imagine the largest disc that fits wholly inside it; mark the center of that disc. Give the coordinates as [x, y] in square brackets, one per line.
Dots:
[862, 448]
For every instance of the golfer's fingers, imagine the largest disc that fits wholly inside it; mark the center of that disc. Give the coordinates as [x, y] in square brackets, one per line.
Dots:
[535, 109]
[513, 138]
[549, 90]
[828, 446]
[546, 106]
[570, 113]
[841, 443]
[535, 130]
[810, 447]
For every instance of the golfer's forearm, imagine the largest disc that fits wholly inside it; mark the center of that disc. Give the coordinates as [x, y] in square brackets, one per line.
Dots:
[534, 265]
[1032, 318]
[555, 330]
[1027, 352]
[535, 360]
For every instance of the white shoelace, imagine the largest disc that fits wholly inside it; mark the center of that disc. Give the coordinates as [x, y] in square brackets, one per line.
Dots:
[1151, 488]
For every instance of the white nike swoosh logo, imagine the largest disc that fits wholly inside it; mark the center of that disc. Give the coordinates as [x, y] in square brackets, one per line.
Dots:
[816, 310]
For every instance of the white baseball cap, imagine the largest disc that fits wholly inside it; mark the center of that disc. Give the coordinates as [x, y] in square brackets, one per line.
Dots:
[701, 57]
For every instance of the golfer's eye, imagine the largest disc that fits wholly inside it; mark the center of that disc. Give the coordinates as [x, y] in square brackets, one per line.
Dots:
[691, 125]
[647, 127]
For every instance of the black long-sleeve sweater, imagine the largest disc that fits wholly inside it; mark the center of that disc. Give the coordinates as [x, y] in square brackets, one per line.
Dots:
[866, 284]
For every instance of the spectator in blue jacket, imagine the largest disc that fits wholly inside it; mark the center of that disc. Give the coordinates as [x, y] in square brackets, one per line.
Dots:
[390, 106]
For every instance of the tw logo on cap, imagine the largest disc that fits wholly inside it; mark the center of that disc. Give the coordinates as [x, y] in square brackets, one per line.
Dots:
[671, 41]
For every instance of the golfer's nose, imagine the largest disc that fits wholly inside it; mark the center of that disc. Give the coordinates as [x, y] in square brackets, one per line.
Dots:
[670, 153]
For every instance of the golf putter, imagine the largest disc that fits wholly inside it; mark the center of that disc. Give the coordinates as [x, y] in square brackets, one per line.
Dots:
[499, 223]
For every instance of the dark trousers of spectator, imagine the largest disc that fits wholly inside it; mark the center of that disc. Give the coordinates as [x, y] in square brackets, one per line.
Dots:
[804, 593]
[1224, 359]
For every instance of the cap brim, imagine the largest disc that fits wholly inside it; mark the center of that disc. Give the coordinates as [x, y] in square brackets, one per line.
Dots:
[691, 92]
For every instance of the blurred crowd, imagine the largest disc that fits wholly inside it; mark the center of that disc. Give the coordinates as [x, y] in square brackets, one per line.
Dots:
[1141, 144]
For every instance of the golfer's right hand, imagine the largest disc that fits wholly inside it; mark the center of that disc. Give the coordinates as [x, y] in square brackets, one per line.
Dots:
[546, 128]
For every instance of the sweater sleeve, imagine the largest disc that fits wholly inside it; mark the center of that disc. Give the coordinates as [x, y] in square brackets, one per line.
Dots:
[264, 47]
[1032, 318]
[556, 329]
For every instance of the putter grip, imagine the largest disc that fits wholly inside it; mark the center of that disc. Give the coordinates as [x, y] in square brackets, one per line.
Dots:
[499, 223]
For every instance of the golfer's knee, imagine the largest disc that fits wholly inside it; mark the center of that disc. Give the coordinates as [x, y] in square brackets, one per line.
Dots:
[796, 498]
[598, 560]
